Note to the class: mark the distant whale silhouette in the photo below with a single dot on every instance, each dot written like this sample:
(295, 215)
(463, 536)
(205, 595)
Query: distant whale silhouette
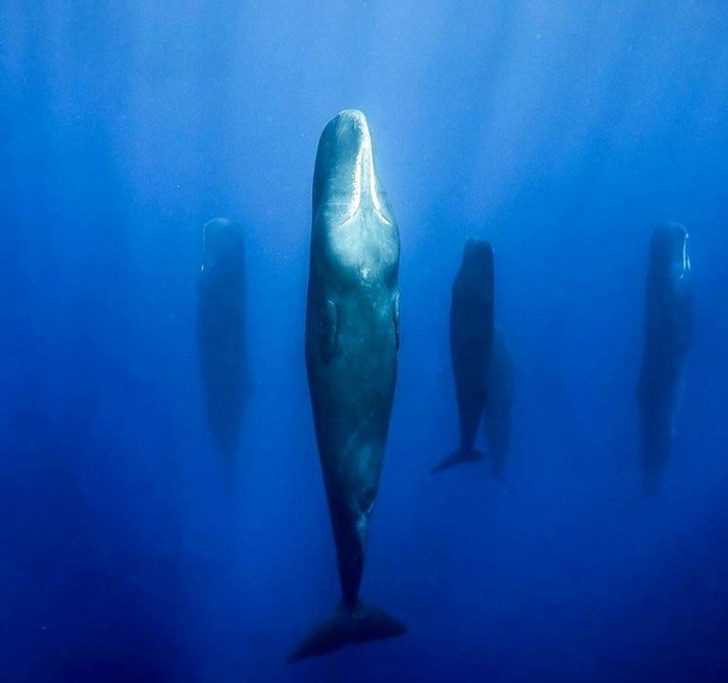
(352, 337)
(497, 412)
(221, 334)
(471, 338)
(668, 324)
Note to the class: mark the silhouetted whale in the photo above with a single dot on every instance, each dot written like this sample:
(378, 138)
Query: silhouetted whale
(221, 334)
(471, 338)
(668, 314)
(497, 413)
(352, 337)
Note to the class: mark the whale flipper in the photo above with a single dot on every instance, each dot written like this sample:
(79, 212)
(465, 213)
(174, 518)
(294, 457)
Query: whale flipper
(457, 458)
(360, 624)
(329, 330)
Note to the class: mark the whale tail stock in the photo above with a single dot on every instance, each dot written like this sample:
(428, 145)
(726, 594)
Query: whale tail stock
(457, 458)
(348, 625)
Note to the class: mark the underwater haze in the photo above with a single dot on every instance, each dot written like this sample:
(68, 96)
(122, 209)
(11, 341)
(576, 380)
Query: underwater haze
(563, 132)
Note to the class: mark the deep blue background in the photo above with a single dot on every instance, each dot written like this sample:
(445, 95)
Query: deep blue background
(562, 131)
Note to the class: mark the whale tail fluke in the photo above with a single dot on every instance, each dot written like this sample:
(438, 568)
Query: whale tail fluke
(358, 625)
(457, 458)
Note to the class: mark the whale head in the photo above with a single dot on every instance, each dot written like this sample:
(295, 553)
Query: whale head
(669, 255)
(477, 265)
(345, 178)
(222, 245)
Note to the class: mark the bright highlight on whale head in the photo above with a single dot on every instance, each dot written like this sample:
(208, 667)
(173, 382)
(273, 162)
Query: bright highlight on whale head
(345, 176)
(222, 245)
(670, 253)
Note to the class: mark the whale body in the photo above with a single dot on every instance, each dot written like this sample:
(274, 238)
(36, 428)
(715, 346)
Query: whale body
(668, 331)
(352, 338)
(221, 333)
(471, 339)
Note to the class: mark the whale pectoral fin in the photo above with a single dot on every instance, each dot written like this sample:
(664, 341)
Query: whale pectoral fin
(329, 330)
(395, 320)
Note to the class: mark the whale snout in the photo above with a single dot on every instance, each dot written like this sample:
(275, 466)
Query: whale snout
(345, 174)
(669, 251)
(477, 264)
(344, 140)
(351, 130)
(353, 118)
(477, 251)
(222, 244)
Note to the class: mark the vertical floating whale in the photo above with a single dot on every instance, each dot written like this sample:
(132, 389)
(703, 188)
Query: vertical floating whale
(221, 334)
(497, 413)
(352, 337)
(668, 313)
(471, 338)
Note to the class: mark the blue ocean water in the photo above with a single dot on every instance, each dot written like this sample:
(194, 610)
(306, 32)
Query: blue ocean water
(560, 131)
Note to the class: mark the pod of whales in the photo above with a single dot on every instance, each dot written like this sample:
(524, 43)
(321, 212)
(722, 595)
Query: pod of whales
(221, 332)
(352, 338)
(668, 313)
